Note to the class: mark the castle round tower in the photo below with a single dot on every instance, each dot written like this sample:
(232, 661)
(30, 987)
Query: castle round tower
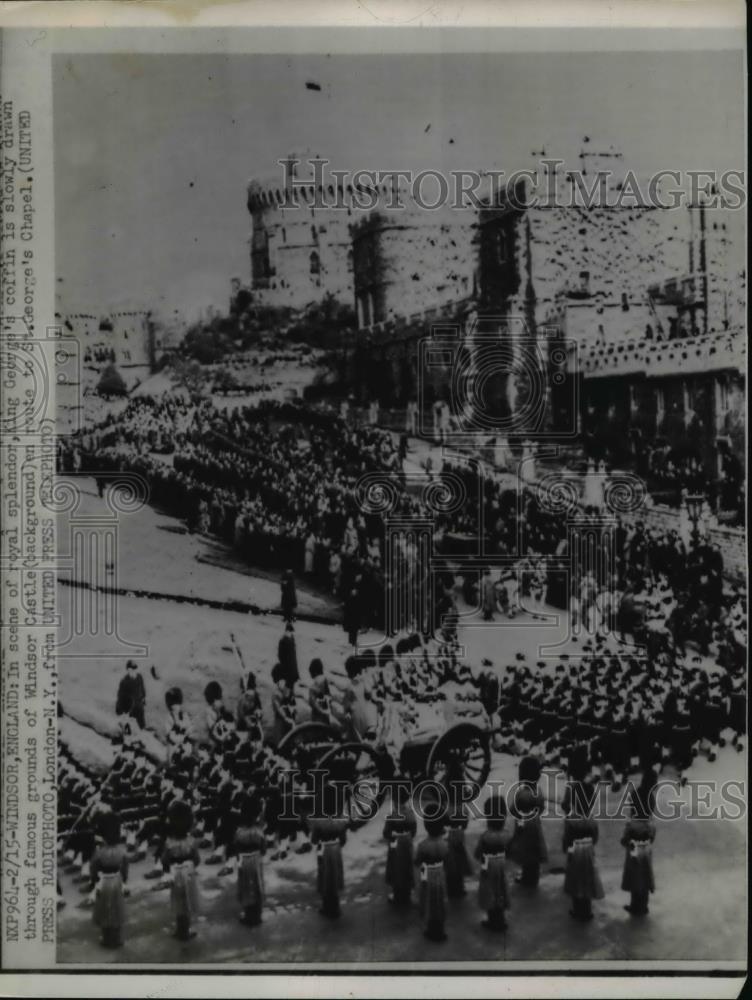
(410, 259)
(300, 244)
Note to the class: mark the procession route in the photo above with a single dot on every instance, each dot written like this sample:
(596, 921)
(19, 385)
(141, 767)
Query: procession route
(188, 645)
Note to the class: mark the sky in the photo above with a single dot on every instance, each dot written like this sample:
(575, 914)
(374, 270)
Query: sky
(153, 153)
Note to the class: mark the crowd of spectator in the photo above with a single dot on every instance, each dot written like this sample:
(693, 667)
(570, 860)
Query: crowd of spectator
(280, 484)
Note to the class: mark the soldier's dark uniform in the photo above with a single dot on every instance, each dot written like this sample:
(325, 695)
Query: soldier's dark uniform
(637, 875)
(528, 844)
(131, 694)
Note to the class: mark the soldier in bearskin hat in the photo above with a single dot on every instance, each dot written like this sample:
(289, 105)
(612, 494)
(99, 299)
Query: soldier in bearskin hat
(109, 873)
(430, 857)
(581, 881)
(637, 839)
(528, 844)
(249, 845)
(493, 893)
(328, 832)
(458, 863)
(180, 858)
(400, 828)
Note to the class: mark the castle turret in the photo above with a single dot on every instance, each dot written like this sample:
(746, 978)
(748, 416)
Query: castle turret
(300, 243)
(410, 259)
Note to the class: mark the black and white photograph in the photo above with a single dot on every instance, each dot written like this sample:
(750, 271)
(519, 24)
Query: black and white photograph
(400, 503)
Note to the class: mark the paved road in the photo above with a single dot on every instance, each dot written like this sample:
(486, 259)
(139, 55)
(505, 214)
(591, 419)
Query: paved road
(695, 914)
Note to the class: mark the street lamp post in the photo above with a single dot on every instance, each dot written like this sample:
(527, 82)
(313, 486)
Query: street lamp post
(694, 503)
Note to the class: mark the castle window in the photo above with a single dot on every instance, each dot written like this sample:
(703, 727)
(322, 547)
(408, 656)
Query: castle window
(315, 263)
(364, 309)
(284, 235)
(724, 394)
(260, 259)
(501, 246)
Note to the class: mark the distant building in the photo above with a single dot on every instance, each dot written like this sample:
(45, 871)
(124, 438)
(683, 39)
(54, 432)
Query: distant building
(533, 259)
(132, 336)
(652, 311)
(653, 301)
(126, 337)
(688, 392)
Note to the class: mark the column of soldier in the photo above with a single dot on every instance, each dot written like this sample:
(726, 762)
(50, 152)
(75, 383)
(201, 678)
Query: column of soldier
(606, 716)
(439, 865)
(283, 506)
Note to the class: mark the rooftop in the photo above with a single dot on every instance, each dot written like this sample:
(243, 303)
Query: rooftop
(654, 358)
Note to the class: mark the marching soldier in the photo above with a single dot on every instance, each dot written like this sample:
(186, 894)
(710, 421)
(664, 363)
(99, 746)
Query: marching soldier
(109, 873)
(176, 718)
(229, 793)
(528, 844)
(712, 717)
(637, 839)
(329, 834)
(493, 894)
(248, 846)
(581, 881)
(458, 864)
(737, 708)
(318, 693)
(180, 858)
(565, 729)
(219, 720)
(530, 708)
(248, 710)
(288, 657)
(283, 705)
(682, 736)
(600, 724)
(617, 747)
(430, 858)
(400, 828)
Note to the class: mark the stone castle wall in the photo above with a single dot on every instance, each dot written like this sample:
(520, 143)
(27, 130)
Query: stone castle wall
(610, 257)
(392, 262)
(301, 252)
(409, 260)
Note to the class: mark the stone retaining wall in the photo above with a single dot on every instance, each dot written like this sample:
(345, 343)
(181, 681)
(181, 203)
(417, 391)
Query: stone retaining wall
(732, 541)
